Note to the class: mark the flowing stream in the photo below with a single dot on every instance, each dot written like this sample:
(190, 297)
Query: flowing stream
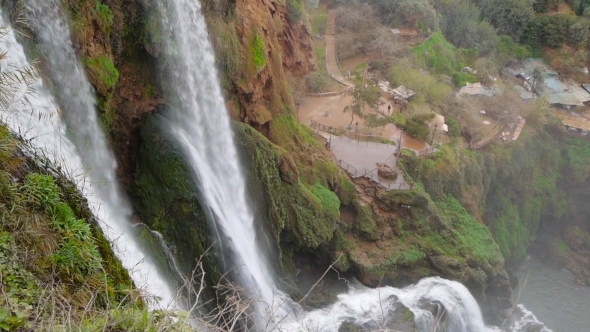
(66, 130)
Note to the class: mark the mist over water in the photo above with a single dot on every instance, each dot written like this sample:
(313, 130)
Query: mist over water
(554, 297)
(66, 130)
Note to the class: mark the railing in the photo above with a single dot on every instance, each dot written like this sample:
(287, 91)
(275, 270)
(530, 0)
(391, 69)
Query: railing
(349, 133)
(348, 167)
(328, 129)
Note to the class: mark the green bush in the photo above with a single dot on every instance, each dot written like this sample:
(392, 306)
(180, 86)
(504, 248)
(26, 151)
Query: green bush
(294, 11)
(105, 16)
(318, 24)
(103, 69)
(454, 129)
(317, 82)
(417, 129)
(257, 50)
(328, 199)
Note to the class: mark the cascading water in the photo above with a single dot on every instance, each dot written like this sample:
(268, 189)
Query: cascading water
(375, 308)
(200, 122)
(78, 146)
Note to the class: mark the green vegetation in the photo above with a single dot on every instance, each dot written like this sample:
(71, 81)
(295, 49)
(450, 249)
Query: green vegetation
(318, 24)
(444, 58)
(509, 17)
(414, 13)
(454, 129)
(508, 48)
(105, 16)
(561, 246)
(226, 43)
(470, 233)
(408, 257)
(462, 25)
(578, 154)
(287, 132)
(295, 11)
(257, 52)
(429, 90)
(417, 126)
(57, 268)
(103, 70)
(328, 199)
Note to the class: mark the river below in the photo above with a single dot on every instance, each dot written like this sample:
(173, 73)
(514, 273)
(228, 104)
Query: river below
(553, 296)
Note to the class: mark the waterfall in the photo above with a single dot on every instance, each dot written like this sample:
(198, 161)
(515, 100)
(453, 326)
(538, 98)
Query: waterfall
(199, 120)
(67, 130)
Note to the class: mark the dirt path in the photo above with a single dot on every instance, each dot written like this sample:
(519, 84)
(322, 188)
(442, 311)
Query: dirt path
(331, 61)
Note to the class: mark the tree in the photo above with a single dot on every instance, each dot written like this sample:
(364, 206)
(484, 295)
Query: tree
(537, 79)
(510, 17)
(362, 96)
(413, 12)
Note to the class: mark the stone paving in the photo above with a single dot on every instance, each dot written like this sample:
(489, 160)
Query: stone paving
(360, 159)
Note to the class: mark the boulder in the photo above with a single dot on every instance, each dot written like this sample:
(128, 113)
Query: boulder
(386, 172)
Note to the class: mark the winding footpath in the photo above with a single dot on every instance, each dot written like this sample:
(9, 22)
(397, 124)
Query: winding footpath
(331, 61)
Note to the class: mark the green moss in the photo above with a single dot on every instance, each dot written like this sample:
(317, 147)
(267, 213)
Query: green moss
(561, 246)
(318, 24)
(328, 200)
(51, 246)
(102, 68)
(470, 233)
(257, 52)
(105, 16)
(578, 154)
(364, 223)
(177, 215)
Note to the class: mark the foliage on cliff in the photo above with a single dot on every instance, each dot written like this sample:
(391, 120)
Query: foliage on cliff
(57, 268)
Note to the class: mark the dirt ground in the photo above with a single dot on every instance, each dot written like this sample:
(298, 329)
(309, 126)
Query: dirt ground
(329, 111)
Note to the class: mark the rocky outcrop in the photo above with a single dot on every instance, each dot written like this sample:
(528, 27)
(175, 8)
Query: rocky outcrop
(167, 199)
(386, 172)
(287, 47)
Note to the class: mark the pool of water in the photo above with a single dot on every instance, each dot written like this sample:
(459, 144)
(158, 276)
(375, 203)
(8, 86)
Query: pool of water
(553, 296)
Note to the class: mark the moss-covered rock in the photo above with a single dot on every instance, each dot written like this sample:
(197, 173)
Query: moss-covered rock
(300, 215)
(168, 200)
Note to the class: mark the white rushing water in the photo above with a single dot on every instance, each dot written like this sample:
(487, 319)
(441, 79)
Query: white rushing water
(375, 309)
(66, 129)
(199, 121)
